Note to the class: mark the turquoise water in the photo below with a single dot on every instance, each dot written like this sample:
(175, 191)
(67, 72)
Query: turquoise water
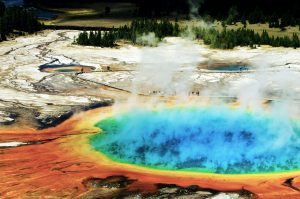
(214, 139)
(64, 70)
(230, 68)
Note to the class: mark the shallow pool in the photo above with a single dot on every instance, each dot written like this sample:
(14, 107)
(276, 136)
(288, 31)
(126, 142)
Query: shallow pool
(66, 68)
(209, 139)
(229, 68)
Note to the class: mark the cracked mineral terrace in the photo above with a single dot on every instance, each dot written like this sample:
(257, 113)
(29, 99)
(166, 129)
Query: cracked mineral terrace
(44, 97)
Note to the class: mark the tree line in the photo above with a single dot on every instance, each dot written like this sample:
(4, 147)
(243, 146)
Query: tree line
(96, 38)
(130, 33)
(274, 20)
(224, 39)
(16, 20)
(228, 39)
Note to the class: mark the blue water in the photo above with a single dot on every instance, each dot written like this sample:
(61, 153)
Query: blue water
(43, 14)
(215, 139)
(9, 3)
(45, 66)
(229, 68)
(39, 13)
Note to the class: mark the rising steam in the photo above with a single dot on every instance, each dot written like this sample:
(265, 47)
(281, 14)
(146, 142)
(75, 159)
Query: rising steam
(194, 7)
(253, 137)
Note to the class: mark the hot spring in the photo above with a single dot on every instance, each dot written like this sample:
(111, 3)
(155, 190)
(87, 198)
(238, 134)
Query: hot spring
(66, 68)
(230, 68)
(227, 67)
(215, 139)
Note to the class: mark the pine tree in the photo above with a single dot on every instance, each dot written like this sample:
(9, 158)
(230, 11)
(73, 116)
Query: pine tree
(176, 29)
(232, 15)
(273, 21)
(223, 24)
(92, 38)
(17, 18)
(265, 38)
(2, 8)
(256, 16)
(287, 20)
(98, 38)
(244, 21)
(295, 41)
